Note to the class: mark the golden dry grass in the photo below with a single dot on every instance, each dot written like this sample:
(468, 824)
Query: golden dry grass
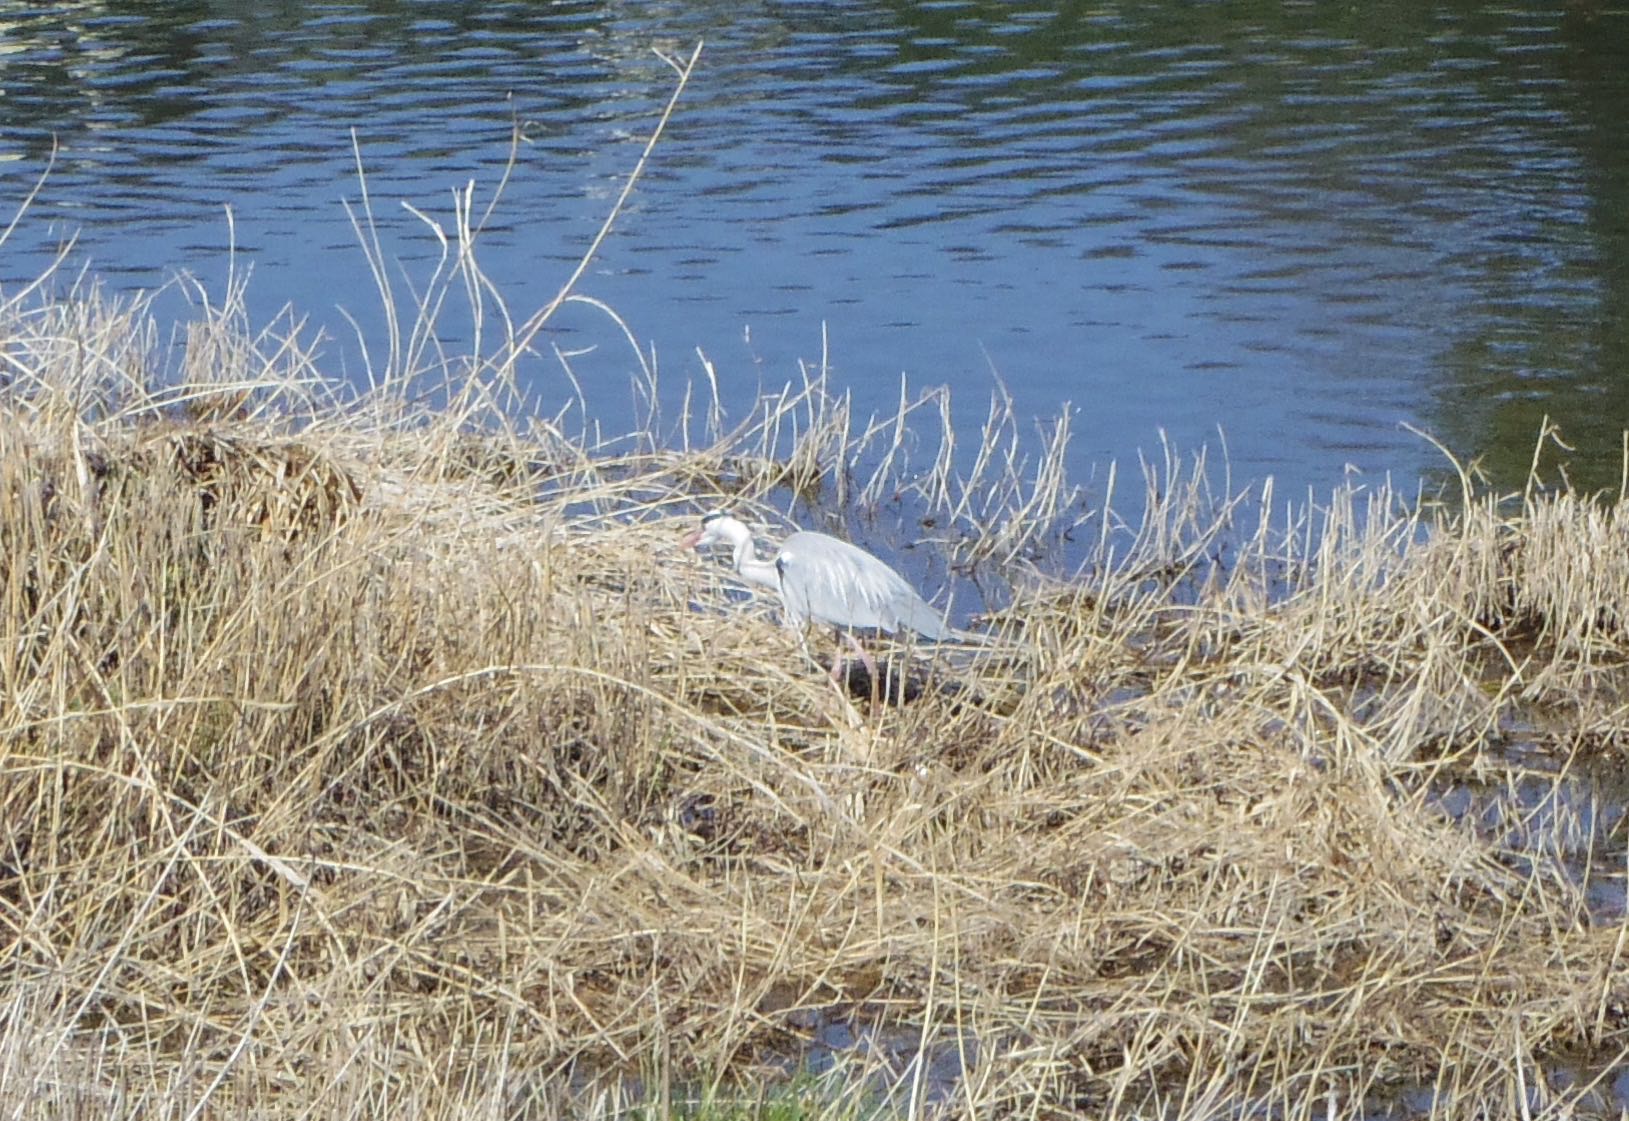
(354, 764)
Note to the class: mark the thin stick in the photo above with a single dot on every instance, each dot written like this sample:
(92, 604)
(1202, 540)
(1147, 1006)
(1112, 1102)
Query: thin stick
(532, 326)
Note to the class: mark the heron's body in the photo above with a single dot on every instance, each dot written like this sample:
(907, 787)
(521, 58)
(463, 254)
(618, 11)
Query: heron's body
(823, 579)
(830, 581)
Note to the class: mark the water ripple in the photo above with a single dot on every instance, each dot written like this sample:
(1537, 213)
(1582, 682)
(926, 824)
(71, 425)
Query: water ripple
(1303, 221)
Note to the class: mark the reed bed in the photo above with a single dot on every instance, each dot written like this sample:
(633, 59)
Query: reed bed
(359, 761)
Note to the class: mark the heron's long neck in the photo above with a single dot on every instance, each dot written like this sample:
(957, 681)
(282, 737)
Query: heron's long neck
(751, 568)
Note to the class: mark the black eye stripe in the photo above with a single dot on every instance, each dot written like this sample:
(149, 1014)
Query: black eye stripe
(708, 519)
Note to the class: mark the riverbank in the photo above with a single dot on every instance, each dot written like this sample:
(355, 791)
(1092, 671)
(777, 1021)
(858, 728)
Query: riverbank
(359, 759)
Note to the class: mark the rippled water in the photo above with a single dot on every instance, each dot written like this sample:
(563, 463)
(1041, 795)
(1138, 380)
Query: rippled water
(1303, 224)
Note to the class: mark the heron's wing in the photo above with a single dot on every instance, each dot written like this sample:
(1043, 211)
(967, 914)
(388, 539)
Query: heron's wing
(896, 602)
(794, 601)
(924, 618)
(813, 588)
(834, 582)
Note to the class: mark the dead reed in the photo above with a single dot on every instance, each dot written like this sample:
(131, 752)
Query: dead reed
(356, 763)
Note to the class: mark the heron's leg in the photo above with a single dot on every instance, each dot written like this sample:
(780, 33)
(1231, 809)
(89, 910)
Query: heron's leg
(866, 659)
(873, 680)
(869, 662)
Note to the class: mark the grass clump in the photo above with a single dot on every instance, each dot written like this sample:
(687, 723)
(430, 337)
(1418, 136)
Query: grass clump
(354, 761)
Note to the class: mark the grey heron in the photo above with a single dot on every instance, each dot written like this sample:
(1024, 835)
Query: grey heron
(826, 580)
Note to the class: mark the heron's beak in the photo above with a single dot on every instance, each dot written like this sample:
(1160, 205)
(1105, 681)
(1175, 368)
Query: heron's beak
(689, 540)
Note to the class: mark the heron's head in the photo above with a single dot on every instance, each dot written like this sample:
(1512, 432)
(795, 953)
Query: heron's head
(715, 527)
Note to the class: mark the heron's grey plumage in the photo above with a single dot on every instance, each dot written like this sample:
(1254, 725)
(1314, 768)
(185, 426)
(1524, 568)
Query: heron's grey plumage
(823, 579)
(831, 581)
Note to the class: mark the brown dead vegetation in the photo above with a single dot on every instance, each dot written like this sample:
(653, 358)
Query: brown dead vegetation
(352, 766)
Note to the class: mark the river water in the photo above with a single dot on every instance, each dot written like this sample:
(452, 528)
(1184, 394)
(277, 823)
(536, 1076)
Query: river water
(1299, 225)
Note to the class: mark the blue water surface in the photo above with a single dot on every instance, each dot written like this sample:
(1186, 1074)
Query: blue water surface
(1300, 225)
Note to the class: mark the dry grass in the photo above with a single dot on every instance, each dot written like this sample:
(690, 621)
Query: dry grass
(355, 766)
(358, 760)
